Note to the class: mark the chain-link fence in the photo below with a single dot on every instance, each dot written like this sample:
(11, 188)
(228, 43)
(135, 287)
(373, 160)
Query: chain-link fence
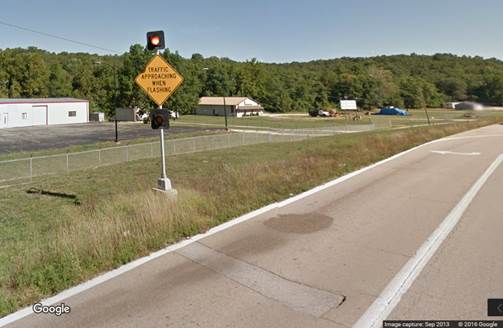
(22, 170)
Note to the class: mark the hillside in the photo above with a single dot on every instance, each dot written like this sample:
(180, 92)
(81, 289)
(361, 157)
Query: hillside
(413, 81)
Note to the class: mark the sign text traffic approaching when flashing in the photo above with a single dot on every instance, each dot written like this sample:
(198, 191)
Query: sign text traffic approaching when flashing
(159, 80)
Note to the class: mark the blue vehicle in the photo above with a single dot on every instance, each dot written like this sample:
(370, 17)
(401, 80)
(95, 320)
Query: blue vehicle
(393, 111)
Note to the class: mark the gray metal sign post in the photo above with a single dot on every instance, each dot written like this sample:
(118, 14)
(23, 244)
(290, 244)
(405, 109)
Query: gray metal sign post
(163, 183)
(159, 80)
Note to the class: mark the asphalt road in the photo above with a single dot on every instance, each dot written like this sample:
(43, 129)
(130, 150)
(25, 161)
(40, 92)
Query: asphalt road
(59, 136)
(324, 260)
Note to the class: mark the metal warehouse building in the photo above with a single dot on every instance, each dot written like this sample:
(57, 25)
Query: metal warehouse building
(42, 111)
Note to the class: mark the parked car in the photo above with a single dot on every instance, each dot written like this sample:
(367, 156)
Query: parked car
(390, 110)
(324, 113)
(313, 112)
(174, 114)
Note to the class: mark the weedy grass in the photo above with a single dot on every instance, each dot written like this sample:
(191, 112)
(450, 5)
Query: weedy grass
(50, 243)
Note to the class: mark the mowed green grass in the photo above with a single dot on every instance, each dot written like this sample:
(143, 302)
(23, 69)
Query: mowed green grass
(295, 121)
(437, 115)
(304, 121)
(51, 242)
(277, 122)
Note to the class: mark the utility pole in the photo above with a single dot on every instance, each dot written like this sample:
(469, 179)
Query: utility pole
(225, 114)
(114, 101)
(427, 116)
(225, 105)
(115, 105)
(116, 127)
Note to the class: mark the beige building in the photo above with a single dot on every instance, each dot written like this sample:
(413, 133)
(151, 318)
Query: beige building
(235, 106)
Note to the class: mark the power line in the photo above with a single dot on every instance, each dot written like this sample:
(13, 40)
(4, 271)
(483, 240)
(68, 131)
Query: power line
(58, 37)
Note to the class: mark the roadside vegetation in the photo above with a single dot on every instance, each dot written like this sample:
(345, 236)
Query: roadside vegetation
(62, 230)
(411, 81)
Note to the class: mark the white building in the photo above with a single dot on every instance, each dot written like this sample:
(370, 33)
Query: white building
(235, 106)
(42, 111)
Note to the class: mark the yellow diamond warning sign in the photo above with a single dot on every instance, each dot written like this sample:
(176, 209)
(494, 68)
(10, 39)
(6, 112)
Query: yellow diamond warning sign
(159, 80)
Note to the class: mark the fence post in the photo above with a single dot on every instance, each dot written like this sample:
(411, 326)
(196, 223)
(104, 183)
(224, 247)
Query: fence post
(31, 168)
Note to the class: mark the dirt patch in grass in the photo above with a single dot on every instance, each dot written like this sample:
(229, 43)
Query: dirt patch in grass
(51, 243)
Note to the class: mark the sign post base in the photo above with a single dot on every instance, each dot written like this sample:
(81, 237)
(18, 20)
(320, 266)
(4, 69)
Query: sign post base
(164, 185)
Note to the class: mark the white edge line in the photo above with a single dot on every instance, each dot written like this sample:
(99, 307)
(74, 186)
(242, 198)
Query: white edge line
(447, 152)
(136, 263)
(398, 286)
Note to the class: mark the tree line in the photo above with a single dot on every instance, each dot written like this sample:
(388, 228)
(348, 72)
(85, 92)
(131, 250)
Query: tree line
(107, 81)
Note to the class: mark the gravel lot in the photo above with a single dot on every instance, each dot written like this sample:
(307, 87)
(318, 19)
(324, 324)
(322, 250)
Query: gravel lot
(58, 136)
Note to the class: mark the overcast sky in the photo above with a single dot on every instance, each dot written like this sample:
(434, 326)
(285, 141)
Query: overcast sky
(271, 31)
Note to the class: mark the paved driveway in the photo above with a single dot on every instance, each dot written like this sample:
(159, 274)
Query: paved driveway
(46, 137)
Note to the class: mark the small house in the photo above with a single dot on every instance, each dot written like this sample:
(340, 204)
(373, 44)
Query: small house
(235, 106)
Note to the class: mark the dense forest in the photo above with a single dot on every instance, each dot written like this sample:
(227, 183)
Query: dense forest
(412, 81)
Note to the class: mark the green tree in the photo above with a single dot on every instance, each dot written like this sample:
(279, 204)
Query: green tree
(412, 93)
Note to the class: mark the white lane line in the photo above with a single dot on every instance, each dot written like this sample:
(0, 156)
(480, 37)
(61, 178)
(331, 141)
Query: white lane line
(474, 137)
(446, 152)
(398, 286)
(132, 265)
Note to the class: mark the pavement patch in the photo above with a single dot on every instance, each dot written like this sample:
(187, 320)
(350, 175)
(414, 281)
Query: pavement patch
(300, 223)
(293, 294)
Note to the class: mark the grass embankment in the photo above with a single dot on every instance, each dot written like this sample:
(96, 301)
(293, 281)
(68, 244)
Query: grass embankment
(50, 243)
